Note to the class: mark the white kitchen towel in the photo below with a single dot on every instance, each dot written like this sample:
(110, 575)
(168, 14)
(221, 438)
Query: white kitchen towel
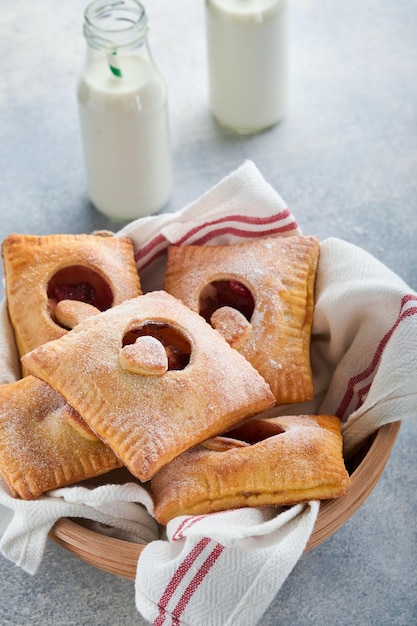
(364, 347)
(124, 508)
(364, 363)
(221, 569)
(241, 206)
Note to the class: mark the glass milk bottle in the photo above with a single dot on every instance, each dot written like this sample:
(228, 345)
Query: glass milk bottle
(247, 62)
(122, 101)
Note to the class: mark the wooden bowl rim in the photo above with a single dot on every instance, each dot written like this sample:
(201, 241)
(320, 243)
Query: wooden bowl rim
(120, 557)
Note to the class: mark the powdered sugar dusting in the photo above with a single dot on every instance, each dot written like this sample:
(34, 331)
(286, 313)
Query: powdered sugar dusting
(279, 272)
(148, 420)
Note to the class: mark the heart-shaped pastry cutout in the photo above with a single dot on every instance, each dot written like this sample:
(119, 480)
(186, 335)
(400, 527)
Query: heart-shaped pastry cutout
(146, 356)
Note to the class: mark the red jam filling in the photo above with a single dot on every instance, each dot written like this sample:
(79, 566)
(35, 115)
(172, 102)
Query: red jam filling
(83, 292)
(226, 293)
(80, 283)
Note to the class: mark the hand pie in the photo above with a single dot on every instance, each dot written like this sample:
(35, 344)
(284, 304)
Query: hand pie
(43, 271)
(147, 403)
(260, 296)
(44, 443)
(280, 461)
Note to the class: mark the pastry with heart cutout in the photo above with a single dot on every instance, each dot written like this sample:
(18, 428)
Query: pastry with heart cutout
(276, 461)
(44, 443)
(43, 271)
(152, 379)
(260, 296)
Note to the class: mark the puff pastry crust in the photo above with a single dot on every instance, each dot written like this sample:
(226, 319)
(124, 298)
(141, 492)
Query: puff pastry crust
(299, 459)
(279, 273)
(99, 270)
(44, 444)
(149, 409)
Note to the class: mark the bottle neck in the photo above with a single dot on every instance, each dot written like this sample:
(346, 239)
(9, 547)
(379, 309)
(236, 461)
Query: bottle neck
(117, 27)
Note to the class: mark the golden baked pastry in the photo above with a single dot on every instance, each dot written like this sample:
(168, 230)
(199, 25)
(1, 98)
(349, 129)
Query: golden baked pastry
(69, 313)
(42, 271)
(44, 444)
(150, 404)
(270, 285)
(280, 461)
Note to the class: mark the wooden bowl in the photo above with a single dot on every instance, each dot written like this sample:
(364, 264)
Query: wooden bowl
(120, 557)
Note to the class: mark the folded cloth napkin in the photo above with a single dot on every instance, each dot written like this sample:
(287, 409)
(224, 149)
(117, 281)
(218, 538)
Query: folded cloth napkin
(223, 568)
(113, 509)
(364, 363)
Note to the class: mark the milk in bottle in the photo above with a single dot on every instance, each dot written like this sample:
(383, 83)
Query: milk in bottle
(122, 100)
(247, 62)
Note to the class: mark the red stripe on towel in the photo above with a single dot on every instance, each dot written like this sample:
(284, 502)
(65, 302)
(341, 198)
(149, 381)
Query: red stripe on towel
(190, 521)
(159, 239)
(156, 247)
(145, 263)
(196, 582)
(186, 523)
(176, 579)
(247, 234)
(356, 380)
(241, 219)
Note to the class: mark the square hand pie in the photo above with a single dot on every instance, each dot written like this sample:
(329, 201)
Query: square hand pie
(43, 272)
(44, 444)
(151, 378)
(260, 296)
(276, 461)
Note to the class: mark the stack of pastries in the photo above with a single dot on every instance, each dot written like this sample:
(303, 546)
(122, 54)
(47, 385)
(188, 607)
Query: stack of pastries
(171, 384)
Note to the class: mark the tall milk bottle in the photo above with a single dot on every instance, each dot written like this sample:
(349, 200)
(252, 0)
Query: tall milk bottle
(122, 101)
(247, 48)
